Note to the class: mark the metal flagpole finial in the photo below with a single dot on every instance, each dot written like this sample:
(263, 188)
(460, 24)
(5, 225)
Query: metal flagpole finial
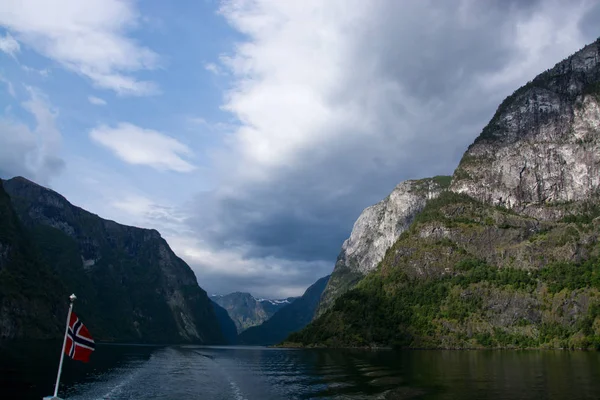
(72, 297)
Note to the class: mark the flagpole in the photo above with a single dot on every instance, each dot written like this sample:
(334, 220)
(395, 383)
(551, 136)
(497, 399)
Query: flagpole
(62, 353)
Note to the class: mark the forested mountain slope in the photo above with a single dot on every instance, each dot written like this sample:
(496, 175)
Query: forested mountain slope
(130, 285)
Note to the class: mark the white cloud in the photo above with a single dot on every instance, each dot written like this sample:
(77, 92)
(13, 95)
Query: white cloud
(42, 72)
(285, 74)
(143, 211)
(9, 86)
(9, 45)
(214, 68)
(96, 101)
(31, 153)
(197, 121)
(140, 146)
(89, 38)
(202, 125)
(230, 269)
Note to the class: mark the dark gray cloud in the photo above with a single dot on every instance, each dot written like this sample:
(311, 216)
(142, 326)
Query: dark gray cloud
(591, 20)
(406, 87)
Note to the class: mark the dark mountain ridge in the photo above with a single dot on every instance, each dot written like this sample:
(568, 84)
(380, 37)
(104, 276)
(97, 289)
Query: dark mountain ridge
(130, 284)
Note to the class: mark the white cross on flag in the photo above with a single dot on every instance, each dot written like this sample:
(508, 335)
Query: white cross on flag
(80, 343)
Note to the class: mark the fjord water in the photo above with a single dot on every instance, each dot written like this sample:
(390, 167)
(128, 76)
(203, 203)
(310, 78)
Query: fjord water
(255, 373)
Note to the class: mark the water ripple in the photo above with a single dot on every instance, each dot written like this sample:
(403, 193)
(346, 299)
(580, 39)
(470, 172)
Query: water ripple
(243, 373)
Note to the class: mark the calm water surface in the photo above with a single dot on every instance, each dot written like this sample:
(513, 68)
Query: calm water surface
(254, 373)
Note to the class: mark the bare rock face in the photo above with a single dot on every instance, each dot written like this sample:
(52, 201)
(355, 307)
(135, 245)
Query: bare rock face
(376, 229)
(543, 144)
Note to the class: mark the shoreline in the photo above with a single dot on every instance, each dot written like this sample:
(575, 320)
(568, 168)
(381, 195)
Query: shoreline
(292, 345)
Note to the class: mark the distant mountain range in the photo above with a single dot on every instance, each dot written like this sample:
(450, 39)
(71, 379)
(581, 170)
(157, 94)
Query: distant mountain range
(246, 311)
(290, 318)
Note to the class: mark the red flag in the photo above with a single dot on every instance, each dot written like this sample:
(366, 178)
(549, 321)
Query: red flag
(80, 343)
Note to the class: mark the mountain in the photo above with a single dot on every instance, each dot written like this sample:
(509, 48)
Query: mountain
(247, 311)
(226, 323)
(509, 255)
(291, 318)
(33, 303)
(377, 228)
(541, 146)
(131, 287)
(272, 306)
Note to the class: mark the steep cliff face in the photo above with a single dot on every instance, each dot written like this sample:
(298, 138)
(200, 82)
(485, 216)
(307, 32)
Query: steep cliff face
(469, 275)
(291, 318)
(131, 286)
(376, 229)
(543, 144)
(33, 303)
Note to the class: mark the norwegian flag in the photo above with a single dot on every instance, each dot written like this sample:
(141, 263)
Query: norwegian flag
(80, 343)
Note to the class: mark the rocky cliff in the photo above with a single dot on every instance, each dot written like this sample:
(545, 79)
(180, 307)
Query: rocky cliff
(376, 229)
(247, 311)
(291, 318)
(131, 286)
(542, 145)
(510, 255)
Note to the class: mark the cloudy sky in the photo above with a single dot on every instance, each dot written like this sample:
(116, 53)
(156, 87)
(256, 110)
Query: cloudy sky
(251, 133)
